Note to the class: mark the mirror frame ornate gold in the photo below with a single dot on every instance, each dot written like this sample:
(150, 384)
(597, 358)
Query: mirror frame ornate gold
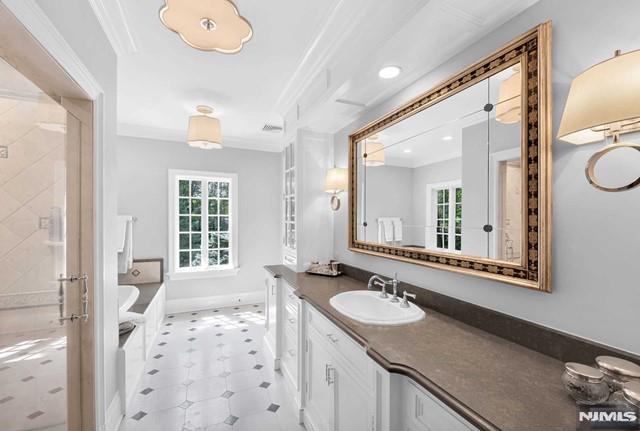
(533, 49)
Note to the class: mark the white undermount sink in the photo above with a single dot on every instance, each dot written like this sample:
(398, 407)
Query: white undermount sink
(127, 296)
(368, 307)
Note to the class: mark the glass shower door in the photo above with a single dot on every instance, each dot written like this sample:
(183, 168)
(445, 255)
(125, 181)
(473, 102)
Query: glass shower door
(34, 246)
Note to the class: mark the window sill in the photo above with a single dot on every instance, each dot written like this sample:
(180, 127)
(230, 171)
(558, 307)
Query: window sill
(199, 275)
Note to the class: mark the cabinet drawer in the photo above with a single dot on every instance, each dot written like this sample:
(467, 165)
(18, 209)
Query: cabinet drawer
(348, 350)
(291, 318)
(290, 298)
(290, 354)
(426, 413)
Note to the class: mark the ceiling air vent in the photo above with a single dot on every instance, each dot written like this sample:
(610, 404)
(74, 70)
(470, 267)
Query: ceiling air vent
(271, 128)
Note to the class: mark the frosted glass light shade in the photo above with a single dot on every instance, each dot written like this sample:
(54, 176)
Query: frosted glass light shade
(603, 97)
(508, 107)
(204, 132)
(336, 180)
(374, 152)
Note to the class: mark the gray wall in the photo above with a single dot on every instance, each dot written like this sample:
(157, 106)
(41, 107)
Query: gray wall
(77, 24)
(388, 194)
(143, 166)
(596, 237)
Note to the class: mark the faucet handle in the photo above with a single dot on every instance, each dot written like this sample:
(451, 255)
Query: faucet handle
(405, 298)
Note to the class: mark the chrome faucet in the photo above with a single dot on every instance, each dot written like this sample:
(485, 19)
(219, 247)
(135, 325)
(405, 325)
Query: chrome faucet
(405, 299)
(394, 285)
(379, 281)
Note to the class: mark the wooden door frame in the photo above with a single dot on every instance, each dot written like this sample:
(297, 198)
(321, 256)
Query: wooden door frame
(34, 47)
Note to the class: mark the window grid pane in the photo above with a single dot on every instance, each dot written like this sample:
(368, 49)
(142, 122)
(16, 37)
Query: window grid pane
(203, 223)
(218, 210)
(442, 218)
(458, 220)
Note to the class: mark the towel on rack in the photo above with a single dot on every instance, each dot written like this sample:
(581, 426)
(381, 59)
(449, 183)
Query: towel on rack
(389, 229)
(397, 228)
(125, 247)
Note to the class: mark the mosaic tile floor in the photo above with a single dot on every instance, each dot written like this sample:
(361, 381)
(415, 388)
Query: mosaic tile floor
(207, 373)
(33, 380)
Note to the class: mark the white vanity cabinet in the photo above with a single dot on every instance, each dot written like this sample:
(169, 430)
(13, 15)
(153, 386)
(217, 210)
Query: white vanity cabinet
(332, 381)
(339, 379)
(424, 412)
(272, 340)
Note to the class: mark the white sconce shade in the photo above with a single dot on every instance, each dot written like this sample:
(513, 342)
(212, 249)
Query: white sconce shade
(508, 107)
(602, 99)
(204, 131)
(373, 154)
(336, 180)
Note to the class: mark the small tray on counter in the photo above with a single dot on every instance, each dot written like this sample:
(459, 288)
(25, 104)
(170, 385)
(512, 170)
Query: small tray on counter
(326, 274)
(331, 269)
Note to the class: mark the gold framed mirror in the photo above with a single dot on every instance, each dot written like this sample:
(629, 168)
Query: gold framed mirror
(459, 178)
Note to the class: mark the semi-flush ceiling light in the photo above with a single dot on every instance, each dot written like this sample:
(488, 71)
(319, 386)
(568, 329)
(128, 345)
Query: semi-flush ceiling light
(208, 25)
(602, 103)
(407, 151)
(204, 131)
(447, 138)
(508, 107)
(389, 72)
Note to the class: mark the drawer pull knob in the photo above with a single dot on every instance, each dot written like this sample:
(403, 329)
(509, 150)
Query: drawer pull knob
(332, 338)
(291, 320)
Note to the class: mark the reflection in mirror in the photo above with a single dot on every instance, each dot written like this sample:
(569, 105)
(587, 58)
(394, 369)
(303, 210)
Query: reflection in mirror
(448, 178)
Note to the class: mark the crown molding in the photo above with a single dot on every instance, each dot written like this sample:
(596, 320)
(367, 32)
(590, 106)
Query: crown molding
(112, 19)
(180, 137)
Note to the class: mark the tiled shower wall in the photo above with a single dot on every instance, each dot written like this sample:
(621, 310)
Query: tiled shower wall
(31, 187)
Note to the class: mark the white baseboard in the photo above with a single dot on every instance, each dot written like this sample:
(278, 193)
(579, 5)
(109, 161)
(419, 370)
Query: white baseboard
(114, 414)
(205, 302)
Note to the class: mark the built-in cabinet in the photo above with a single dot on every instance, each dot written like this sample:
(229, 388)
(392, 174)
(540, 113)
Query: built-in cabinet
(305, 161)
(334, 383)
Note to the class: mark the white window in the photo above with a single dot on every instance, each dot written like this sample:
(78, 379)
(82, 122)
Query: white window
(444, 216)
(202, 223)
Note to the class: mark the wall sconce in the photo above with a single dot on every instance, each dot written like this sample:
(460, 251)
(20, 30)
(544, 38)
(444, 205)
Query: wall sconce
(603, 103)
(335, 183)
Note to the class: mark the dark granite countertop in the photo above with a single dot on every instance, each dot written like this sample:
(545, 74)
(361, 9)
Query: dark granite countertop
(494, 383)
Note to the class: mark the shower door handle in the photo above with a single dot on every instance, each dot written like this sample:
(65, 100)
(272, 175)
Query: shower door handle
(62, 280)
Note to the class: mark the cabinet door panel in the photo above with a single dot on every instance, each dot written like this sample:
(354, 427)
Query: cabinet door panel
(320, 392)
(353, 404)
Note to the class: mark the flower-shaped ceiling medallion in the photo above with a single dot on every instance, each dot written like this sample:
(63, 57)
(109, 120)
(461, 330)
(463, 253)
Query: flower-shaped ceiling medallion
(208, 25)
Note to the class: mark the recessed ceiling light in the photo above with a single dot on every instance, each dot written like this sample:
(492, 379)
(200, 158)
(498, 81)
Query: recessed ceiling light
(407, 151)
(389, 72)
(447, 138)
